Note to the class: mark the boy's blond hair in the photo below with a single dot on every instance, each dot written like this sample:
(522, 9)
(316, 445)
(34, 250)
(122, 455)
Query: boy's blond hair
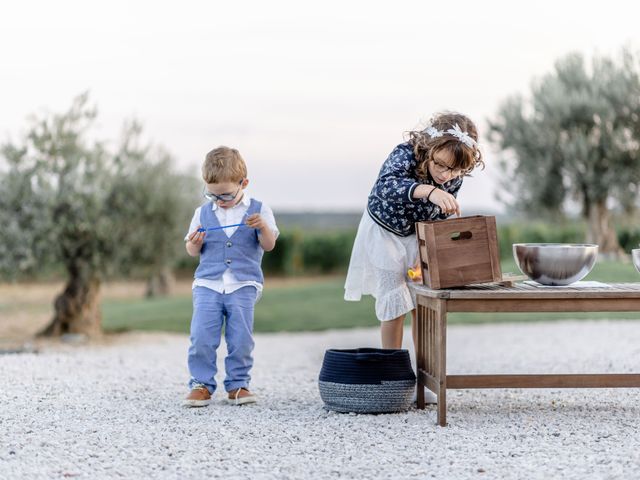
(223, 164)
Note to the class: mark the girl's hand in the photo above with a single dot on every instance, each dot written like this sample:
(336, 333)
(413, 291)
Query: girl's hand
(256, 221)
(447, 202)
(197, 238)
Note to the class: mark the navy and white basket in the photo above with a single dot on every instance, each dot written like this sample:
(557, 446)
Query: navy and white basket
(367, 380)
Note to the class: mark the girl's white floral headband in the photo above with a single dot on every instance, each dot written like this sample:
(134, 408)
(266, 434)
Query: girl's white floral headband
(456, 131)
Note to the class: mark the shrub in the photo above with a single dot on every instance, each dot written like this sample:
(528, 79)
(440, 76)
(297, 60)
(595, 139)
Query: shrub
(285, 258)
(629, 238)
(325, 253)
(538, 232)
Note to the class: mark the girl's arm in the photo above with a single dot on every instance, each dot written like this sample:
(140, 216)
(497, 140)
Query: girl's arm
(445, 200)
(396, 182)
(423, 191)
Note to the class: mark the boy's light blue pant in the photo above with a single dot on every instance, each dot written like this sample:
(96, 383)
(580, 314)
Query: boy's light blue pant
(212, 310)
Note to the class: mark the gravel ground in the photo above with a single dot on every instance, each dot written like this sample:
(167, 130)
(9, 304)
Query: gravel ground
(114, 411)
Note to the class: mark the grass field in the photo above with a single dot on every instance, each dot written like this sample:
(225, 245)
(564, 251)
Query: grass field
(318, 305)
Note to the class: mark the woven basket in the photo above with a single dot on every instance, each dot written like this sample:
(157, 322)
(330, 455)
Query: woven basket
(367, 380)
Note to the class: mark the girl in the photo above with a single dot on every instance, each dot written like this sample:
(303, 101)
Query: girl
(419, 181)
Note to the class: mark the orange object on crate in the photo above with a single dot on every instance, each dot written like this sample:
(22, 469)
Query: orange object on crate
(414, 274)
(459, 251)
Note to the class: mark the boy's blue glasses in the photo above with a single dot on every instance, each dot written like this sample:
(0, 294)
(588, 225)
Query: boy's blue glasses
(223, 197)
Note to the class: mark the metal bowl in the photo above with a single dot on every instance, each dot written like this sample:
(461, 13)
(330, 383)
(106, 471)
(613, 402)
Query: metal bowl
(635, 254)
(555, 263)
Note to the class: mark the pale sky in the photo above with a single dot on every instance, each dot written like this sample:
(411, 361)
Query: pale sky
(314, 94)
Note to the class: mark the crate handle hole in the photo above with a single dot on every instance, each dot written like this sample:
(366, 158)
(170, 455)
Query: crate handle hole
(461, 236)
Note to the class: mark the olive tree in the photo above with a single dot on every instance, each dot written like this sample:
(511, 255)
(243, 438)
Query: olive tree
(162, 204)
(576, 137)
(66, 201)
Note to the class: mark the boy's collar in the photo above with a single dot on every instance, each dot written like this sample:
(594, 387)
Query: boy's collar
(245, 200)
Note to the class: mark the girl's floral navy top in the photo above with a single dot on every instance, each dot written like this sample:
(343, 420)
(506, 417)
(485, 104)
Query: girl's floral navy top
(390, 203)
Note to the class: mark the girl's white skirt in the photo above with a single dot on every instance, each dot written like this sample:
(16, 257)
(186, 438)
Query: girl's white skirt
(378, 267)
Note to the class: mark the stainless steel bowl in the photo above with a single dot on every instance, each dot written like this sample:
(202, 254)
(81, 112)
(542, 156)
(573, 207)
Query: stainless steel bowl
(555, 263)
(635, 254)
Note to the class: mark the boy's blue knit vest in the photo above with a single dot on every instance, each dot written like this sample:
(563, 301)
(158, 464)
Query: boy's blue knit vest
(241, 251)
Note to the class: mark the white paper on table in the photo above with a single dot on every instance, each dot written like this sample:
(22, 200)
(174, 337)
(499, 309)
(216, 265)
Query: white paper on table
(585, 284)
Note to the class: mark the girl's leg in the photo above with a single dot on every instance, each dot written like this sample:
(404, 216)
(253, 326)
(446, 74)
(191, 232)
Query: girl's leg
(391, 332)
(414, 330)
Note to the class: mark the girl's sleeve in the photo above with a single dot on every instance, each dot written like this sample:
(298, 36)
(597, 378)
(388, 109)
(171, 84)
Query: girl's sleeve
(396, 181)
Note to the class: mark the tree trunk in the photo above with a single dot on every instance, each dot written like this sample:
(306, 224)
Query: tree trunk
(77, 309)
(602, 233)
(160, 284)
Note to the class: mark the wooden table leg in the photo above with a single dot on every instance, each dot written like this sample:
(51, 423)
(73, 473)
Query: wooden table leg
(431, 353)
(440, 340)
(420, 354)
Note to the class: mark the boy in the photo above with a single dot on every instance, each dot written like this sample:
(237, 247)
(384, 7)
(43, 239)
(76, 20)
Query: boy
(228, 280)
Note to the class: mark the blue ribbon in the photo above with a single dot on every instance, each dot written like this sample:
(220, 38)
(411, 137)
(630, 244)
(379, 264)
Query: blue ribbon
(218, 228)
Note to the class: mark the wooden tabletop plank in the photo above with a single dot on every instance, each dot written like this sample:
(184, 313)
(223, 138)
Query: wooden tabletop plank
(526, 291)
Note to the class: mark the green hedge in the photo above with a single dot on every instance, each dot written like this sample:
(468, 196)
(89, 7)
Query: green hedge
(629, 237)
(297, 253)
(300, 252)
(537, 232)
(567, 232)
(286, 257)
(310, 252)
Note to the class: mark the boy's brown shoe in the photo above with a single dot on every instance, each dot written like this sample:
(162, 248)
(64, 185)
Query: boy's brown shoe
(199, 396)
(241, 396)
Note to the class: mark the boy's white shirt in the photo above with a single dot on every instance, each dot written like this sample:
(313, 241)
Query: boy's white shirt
(228, 283)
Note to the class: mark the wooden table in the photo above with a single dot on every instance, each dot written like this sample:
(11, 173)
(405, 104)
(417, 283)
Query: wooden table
(431, 348)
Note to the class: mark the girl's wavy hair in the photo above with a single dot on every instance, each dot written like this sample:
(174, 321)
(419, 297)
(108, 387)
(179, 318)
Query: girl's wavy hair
(466, 154)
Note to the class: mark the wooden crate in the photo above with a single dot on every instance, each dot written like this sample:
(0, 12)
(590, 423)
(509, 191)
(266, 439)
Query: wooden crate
(459, 251)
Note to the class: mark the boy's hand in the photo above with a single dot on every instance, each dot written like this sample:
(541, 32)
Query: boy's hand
(447, 202)
(267, 238)
(256, 221)
(197, 238)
